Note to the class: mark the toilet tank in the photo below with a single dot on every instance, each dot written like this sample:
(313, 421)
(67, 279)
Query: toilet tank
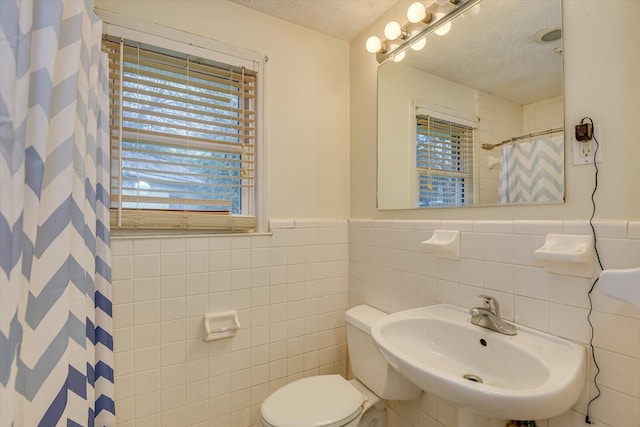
(367, 364)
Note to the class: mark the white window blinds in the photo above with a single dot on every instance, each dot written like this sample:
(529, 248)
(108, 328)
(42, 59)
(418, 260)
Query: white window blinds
(182, 140)
(444, 162)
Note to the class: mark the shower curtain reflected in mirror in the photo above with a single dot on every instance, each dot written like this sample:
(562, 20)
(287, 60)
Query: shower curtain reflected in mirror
(56, 347)
(532, 171)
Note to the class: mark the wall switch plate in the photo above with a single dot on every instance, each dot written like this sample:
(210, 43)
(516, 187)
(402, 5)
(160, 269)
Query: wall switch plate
(583, 151)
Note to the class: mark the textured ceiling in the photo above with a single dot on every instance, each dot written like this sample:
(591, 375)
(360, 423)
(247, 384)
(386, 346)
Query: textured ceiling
(343, 19)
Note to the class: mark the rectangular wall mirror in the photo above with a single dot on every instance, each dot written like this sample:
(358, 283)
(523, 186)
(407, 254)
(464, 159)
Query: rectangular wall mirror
(475, 117)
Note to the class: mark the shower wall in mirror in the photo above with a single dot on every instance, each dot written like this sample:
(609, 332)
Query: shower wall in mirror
(476, 116)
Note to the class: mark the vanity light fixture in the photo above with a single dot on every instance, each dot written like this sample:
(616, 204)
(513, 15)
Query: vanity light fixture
(421, 23)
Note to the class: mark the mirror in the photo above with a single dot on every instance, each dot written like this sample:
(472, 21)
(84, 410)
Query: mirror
(494, 79)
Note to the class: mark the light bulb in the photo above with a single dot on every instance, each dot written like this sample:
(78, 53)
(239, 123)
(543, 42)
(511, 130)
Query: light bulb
(374, 45)
(416, 12)
(419, 45)
(444, 29)
(399, 57)
(392, 30)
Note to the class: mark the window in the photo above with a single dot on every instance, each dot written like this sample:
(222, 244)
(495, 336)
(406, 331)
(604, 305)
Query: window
(183, 150)
(444, 162)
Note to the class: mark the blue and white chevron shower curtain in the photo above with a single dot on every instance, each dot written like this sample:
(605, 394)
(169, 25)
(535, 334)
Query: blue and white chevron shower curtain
(56, 347)
(532, 171)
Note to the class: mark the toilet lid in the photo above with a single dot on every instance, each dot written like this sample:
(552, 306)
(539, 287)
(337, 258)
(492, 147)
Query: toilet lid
(323, 400)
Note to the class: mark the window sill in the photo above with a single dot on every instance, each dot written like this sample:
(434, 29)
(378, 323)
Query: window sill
(169, 222)
(122, 234)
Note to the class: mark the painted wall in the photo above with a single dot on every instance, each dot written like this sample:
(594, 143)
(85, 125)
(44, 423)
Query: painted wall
(389, 270)
(602, 63)
(307, 98)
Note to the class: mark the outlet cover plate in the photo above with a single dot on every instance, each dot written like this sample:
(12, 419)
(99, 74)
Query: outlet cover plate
(583, 151)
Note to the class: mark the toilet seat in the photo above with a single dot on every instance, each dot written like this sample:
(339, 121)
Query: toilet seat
(319, 401)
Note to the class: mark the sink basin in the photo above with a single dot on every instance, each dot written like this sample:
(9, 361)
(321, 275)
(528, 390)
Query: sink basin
(528, 376)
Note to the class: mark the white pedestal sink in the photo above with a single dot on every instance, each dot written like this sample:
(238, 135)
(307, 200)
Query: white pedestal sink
(527, 376)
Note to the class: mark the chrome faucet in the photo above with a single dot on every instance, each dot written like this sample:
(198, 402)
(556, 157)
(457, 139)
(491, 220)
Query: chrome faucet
(489, 317)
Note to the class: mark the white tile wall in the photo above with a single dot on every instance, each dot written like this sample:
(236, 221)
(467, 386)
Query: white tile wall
(388, 270)
(543, 115)
(290, 289)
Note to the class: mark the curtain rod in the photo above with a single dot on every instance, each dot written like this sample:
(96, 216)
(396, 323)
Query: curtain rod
(517, 138)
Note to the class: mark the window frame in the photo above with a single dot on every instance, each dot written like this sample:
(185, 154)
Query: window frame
(119, 26)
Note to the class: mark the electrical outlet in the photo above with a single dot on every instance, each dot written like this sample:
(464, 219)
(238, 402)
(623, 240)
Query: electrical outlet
(586, 149)
(583, 151)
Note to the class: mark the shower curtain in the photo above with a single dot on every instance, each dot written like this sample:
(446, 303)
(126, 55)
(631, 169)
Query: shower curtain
(56, 347)
(532, 171)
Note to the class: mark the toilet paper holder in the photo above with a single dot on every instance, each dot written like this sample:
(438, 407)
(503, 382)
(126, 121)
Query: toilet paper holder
(220, 325)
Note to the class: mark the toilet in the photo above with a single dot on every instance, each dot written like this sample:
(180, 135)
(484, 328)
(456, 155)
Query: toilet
(332, 401)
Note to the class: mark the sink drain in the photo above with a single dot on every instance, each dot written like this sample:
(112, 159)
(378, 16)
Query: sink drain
(471, 377)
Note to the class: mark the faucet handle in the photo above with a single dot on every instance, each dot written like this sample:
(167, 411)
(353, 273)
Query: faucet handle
(490, 303)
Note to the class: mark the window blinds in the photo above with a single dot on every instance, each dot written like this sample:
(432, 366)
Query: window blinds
(444, 161)
(182, 140)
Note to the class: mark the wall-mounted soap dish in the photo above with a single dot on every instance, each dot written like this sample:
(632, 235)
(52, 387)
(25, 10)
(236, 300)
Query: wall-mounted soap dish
(567, 254)
(220, 325)
(444, 244)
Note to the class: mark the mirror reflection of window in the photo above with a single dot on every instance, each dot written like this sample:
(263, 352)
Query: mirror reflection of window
(444, 162)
